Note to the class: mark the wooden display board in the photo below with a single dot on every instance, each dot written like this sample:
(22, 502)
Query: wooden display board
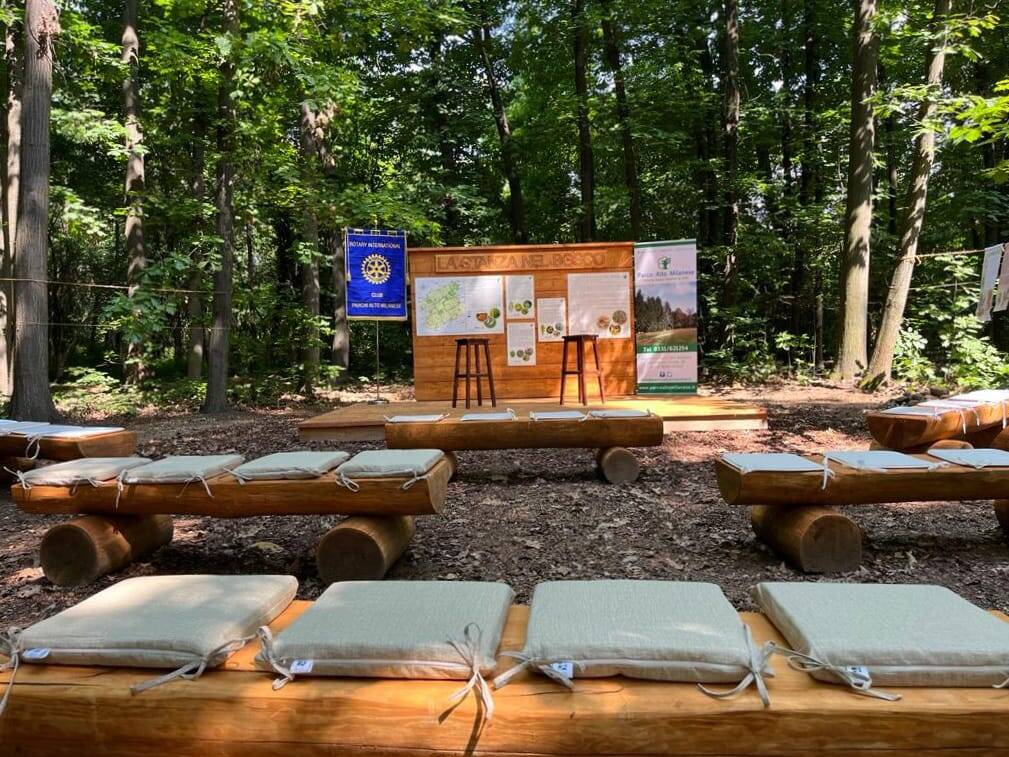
(550, 266)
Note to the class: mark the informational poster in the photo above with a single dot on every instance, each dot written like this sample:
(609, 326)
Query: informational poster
(665, 316)
(1002, 298)
(376, 274)
(520, 297)
(600, 303)
(522, 343)
(457, 305)
(989, 275)
(552, 318)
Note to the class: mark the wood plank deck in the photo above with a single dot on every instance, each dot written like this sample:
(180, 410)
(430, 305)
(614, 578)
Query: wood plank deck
(62, 710)
(364, 422)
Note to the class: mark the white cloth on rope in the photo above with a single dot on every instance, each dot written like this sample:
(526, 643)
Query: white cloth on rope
(194, 669)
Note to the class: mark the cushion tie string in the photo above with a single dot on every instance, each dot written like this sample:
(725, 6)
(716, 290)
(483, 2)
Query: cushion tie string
(1003, 685)
(858, 679)
(759, 657)
(265, 636)
(524, 663)
(342, 480)
(469, 649)
(827, 472)
(198, 477)
(20, 476)
(10, 645)
(120, 485)
(85, 480)
(238, 476)
(194, 669)
(34, 440)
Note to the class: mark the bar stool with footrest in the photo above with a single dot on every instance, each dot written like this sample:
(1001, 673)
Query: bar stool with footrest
(472, 349)
(579, 341)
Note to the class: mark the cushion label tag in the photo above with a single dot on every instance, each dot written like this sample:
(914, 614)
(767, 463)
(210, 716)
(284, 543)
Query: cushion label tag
(38, 653)
(301, 667)
(566, 669)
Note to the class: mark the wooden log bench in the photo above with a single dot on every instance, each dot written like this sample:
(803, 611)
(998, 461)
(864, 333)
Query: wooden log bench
(112, 444)
(977, 425)
(119, 528)
(610, 437)
(64, 711)
(794, 512)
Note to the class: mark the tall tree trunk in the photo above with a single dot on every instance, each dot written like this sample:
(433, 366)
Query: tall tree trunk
(10, 164)
(706, 140)
(434, 106)
(808, 169)
(310, 267)
(586, 167)
(892, 181)
(858, 215)
(730, 222)
(134, 185)
(341, 329)
(914, 214)
(217, 383)
(516, 205)
(32, 399)
(194, 280)
(611, 45)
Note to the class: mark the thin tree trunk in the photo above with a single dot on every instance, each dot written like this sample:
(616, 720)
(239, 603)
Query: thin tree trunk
(194, 280)
(730, 221)
(892, 181)
(434, 105)
(10, 164)
(911, 223)
(32, 399)
(516, 205)
(309, 268)
(586, 167)
(341, 329)
(135, 252)
(858, 216)
(611, 45)
(217, 383)
(808, 169)
(706, 139)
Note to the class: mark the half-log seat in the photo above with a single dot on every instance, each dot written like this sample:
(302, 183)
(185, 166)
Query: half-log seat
(127, 511)
(610, 431)
(792, 496)
(976, 417)
(24, 443)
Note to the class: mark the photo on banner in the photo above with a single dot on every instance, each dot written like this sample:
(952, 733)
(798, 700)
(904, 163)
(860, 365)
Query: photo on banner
(665, 316)
(376, 274)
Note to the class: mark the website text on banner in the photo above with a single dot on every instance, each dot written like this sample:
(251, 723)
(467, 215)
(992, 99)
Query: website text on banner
(376, 275)
(665, 316)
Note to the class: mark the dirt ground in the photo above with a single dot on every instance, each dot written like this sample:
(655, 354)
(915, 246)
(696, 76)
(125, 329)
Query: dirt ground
(529, 516)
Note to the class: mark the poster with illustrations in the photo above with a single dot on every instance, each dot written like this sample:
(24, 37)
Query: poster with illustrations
(552, 319)
(521, 343)
(519, 297)
(600, 303)
(459, 305)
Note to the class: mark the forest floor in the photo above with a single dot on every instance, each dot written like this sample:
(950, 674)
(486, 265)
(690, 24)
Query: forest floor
(529, 516)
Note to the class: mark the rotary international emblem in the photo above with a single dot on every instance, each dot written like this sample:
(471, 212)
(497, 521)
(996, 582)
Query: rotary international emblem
(376, 269)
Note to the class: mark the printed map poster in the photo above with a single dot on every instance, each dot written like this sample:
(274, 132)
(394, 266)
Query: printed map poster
(519, 297)
(459, 305)
(665, 316)
(552, 318)
(600, 303)
(521, 343)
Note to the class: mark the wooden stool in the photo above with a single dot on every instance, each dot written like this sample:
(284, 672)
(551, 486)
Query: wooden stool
(579, 341)
(473, 345)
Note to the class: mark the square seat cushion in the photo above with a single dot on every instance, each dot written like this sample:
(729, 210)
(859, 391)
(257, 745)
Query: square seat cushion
(84, 470)
(770, 462)
(619, 413)
(81, 432)
(973, 458)
(984, 395)
(878, 459)
(288, 465)
(414, 418)
(395, 629)
(181, 469)
(508, 415)
(912, 410)
(25, 428)
(390, 463)
(159, 621)
(557, 415)
(657, 630)
(903, 634)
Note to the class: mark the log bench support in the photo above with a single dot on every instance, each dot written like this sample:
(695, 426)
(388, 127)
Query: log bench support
(617, 465)
(363, 547)
(814, 539)
(82, 550)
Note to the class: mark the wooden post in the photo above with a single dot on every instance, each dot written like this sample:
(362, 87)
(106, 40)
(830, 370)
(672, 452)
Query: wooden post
(453, 460)
(21, 464)
(617, 465)
(814, 539)
(363, 548)
(78, 552)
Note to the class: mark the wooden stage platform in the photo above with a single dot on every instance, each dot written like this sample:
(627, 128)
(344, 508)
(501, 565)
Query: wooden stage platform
(364, 422)
(64, 711)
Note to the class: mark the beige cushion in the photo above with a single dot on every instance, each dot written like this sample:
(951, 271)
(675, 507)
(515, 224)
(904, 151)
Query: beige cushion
(395, 629)
(778, 462)
(973, 458)
(658, 630)
(390, 463)
(23, 428)
(159, 621)
(82, 432)
(182, 469)
(431, 418)
(619, 413)
(288, 465)
(81, 471)
(905, 635)
(557, 415)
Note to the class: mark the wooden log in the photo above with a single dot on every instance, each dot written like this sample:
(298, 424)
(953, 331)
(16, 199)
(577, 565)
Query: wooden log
(906, 432)
(813, 539)
(230, 499)
(1001, 507)
(22, 464)
(617, 465)
(453, 460)
(112, 444)
(78, 552)
(941, 444)
(851, 486)
(363, 548)
(522, 433)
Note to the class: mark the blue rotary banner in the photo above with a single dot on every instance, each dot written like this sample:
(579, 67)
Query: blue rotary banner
(376, 274)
